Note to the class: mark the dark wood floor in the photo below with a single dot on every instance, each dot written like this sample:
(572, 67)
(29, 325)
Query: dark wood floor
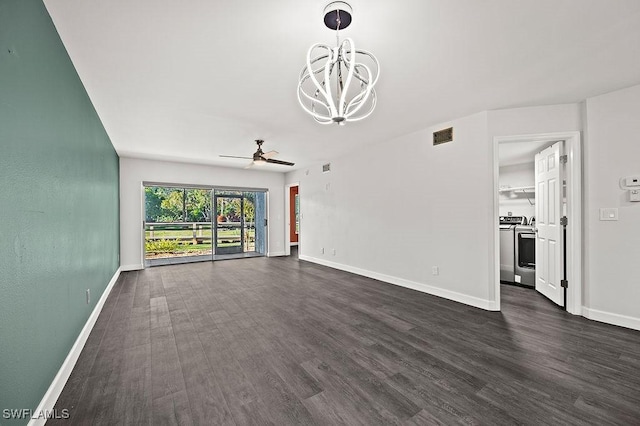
(285, 342)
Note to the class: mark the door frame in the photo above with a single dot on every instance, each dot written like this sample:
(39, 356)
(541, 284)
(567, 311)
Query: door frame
(214, 222)
(287, 219)
(573, 151)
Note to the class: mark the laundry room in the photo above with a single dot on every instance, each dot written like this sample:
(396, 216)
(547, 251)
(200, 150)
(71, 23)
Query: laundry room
(517, 214)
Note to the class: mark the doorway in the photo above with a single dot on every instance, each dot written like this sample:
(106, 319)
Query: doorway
(293, 219)
(524, 192)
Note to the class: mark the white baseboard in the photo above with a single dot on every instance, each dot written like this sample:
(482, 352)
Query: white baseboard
(610, 318)
(293, 244)
(51, 396)
(125, 268)
(276, 254)
(424, 288)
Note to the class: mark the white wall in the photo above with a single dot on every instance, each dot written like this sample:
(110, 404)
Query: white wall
(517, 202)
(135, 171)
(399, 208)
(612, 249)
(534, 120)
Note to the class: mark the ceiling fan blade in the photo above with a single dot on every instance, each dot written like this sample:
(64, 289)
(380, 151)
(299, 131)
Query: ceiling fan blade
(269, 154)
(274, 161)
(235, 156)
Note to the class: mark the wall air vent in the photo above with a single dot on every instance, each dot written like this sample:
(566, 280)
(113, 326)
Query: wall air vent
(326, 168)
(442, 136)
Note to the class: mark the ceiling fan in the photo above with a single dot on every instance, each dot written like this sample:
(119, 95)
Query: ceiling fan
(260, 157)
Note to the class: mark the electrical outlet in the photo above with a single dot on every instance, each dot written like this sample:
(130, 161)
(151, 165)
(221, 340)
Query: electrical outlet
(333, 252)
(88, 296)
(435, 270)
(321, 250)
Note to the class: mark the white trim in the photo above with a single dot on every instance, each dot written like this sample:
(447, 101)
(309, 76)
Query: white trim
(573, 149)
(143, 219)
(424, 288)
(494, 262)
(293, 244)
(277, 253)
(125, 268)
(51, 396)
(611, 318)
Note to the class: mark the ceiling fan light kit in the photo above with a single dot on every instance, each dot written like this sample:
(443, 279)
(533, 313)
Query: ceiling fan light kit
(260, 157)
(337, 83)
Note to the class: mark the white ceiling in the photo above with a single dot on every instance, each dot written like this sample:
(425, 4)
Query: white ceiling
(191, 80)
(514, 153)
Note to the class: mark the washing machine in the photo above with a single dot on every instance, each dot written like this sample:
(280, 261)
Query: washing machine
(525, 255)
(507, 246)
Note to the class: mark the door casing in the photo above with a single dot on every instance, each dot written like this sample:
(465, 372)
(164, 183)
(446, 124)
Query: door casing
(573, 150)
(287, 223)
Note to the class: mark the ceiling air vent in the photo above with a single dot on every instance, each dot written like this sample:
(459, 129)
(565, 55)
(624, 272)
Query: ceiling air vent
(326, 168)
(442, 136)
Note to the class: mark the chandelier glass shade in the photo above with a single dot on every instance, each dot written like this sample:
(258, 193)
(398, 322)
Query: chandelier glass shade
(337, 83)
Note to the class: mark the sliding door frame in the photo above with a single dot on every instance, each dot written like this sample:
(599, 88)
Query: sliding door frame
(211, 188)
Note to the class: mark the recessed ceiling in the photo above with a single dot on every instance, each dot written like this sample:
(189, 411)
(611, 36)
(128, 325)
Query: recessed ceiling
(188, 81)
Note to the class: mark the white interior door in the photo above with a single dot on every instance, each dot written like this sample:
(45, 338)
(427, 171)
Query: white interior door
(549, 241)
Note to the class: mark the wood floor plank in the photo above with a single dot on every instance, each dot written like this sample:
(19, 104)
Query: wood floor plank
(133, 401)
(205, 398)
(239, 393)
(172, 409)
(166, 371)
(324, 412)
(285, 342)
(282, 404)
(347, 399)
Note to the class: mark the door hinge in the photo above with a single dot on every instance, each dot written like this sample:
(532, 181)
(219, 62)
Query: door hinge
(564, 159)
(564, 221)
(564, 283)
(265, 222)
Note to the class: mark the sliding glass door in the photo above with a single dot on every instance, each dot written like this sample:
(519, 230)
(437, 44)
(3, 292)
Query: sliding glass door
(229, 230)
(195, 224)
(240, 225)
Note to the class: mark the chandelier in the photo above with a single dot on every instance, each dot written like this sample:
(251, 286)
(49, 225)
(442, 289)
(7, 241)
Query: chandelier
(337, 83)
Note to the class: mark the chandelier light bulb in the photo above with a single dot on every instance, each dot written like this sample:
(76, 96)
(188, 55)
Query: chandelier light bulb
(337, 83)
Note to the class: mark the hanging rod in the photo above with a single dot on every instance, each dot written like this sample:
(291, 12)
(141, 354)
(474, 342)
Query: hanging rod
(517, 188)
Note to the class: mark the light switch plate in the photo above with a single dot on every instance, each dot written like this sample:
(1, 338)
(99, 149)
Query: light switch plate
(609, 214)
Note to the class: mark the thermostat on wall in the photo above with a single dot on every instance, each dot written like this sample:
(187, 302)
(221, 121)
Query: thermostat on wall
(632, 181)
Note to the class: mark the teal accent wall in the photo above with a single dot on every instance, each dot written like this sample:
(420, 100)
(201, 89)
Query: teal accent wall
(59, 224)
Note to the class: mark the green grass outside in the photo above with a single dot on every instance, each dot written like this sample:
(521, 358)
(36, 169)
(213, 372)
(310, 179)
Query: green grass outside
(196, 247)
(187, 246)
